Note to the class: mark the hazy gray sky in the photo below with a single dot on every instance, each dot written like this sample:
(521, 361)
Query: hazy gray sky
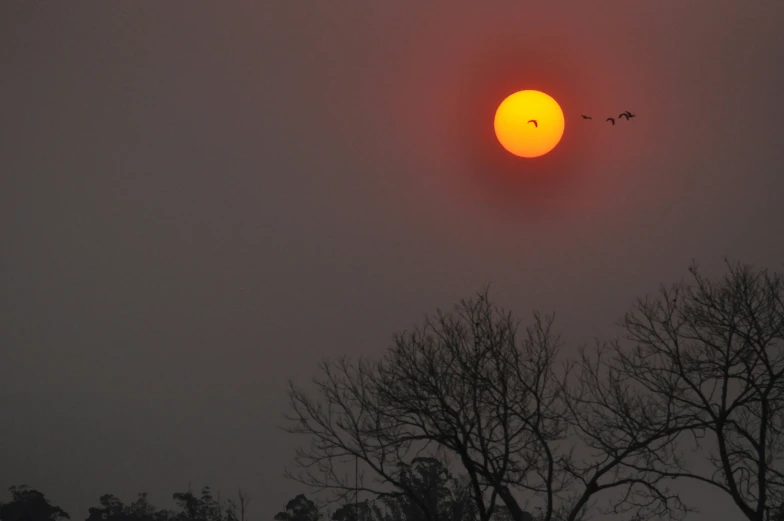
(201, 200)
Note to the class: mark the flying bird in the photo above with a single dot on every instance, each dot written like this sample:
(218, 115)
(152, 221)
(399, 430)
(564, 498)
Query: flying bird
(611, 120)
(534, 122)
(623, 115)
(586, 117)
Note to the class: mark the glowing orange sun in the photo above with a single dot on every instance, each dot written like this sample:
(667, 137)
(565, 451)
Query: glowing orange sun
(529, 123)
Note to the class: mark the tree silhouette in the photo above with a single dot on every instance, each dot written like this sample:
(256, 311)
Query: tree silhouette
(198, 508)
(191, 508)
(712, 351)
(362, 511)
(29, 505)
(439, 495)
(112, 509)
(299, 509)
(497, 402)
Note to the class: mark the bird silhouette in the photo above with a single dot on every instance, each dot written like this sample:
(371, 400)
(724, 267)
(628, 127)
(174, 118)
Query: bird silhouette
(534, 122)
(630, 114)
(586, 117)
(611, 120)
(623, 115)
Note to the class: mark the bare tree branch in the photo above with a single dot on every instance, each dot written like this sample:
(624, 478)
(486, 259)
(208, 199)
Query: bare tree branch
(712, 352)
(498, 399)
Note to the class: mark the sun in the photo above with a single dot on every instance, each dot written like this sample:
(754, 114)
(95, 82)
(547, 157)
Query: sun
(529, 123)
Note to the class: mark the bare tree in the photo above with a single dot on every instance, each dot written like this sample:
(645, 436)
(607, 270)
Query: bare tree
(468, 384)
(626, 439)
(712, 350)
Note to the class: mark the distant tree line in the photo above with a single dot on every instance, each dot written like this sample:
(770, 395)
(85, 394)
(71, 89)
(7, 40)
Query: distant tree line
(429, 478)
(444, 493)
(28, 504)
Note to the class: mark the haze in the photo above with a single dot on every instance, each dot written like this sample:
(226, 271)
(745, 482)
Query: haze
(201, 200)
